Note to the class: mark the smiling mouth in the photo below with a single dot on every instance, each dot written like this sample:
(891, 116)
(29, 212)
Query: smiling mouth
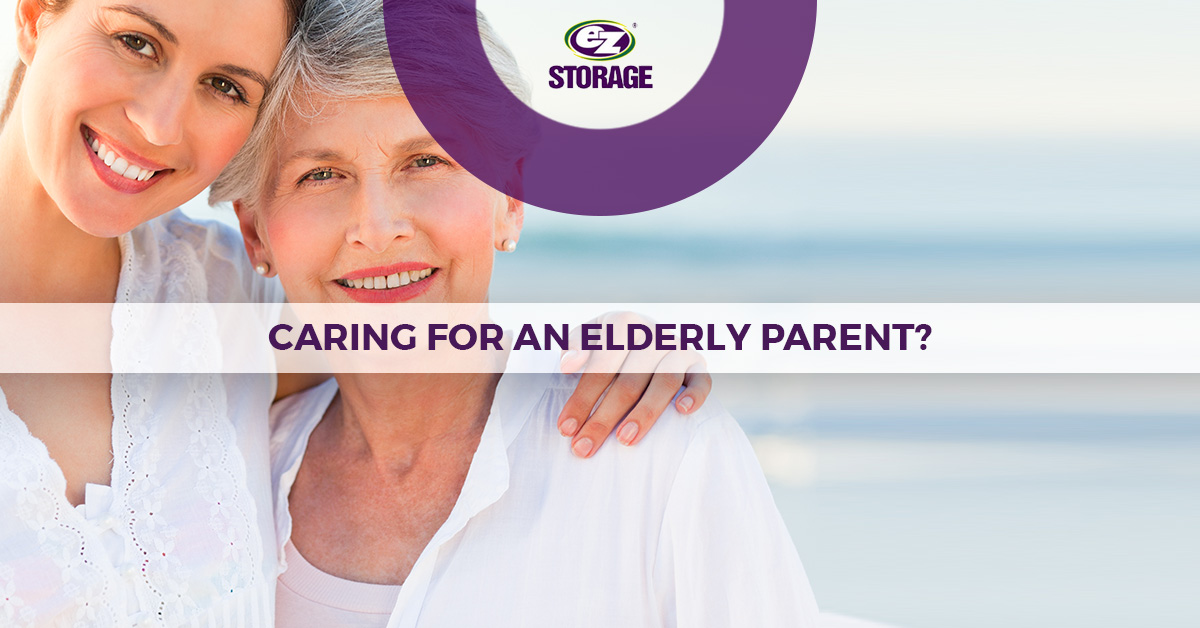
(116, 162)
(382, 282)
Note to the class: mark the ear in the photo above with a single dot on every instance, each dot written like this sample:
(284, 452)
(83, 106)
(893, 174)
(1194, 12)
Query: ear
(510, 218)
(256, 245)
(30, 20)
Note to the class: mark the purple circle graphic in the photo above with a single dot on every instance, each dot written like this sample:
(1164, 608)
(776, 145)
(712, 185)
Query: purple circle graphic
(754, 73)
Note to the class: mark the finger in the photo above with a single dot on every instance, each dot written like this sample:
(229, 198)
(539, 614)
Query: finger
(663, 387)
(579, 406)
(697, 384)
(612, 325)
(618, 400)
(574, 357)
(633, 404)
(615, 361)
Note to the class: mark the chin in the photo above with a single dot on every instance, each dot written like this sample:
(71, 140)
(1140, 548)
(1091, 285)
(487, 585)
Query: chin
(108, 222)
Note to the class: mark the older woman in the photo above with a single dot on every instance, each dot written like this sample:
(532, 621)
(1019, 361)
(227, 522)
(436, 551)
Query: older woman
(440, 499)
(137, 499)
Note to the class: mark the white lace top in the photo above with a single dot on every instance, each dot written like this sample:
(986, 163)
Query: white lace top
(184, 535)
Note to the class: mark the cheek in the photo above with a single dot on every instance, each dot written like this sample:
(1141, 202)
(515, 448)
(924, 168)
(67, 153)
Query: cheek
(462, 231)
(218, 137)
(301, 246)
(462, 223)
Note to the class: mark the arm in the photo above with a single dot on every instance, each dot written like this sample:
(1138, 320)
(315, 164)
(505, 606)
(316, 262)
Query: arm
(725, 557)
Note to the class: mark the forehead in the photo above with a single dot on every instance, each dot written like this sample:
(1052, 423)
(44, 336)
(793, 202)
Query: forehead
(380, 122)
(251, 32)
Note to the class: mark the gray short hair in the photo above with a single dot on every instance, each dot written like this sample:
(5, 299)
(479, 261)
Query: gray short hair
(339, 51)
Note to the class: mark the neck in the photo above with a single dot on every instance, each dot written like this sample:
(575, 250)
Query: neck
(43, 256)
(392, 419)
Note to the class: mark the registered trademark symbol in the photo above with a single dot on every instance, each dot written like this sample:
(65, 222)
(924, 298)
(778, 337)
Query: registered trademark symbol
(634, 25)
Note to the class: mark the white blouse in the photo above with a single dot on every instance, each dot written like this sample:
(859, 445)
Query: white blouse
(184, 534)
(678, 531)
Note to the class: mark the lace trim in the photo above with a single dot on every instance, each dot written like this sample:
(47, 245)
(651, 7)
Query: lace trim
(165, 587)
(37, 492)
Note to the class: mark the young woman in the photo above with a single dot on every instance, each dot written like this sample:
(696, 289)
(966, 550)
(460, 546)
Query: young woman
(136, 499)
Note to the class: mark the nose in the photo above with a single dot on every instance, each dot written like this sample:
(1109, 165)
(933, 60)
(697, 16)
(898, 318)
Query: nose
(381, 216)
(160, 109)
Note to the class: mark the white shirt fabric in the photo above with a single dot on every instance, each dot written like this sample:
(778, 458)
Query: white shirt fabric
(184, 534)
(680, 530)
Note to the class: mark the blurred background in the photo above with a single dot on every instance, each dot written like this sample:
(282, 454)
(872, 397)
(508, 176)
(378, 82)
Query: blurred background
(940, 151)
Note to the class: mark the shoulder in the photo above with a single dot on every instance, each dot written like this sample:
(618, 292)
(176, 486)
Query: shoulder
(217, 249)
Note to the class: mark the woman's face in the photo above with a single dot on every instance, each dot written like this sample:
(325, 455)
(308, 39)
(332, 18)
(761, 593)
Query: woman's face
(364, 196)
(130, 108)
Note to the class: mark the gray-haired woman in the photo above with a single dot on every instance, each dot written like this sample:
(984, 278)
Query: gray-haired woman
(442, 499)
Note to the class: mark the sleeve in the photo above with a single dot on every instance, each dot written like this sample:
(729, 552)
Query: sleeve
(725, 557)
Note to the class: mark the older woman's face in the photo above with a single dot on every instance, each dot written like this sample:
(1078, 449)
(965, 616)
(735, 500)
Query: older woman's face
(131, 108)
(367, 207)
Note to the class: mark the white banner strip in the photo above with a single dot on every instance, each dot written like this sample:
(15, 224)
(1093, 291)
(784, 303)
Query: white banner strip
(731, 337)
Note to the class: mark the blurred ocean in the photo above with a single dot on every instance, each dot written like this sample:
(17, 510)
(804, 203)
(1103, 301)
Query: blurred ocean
(919, 220)
(950, 501)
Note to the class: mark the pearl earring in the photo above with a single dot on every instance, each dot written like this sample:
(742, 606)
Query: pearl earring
(262, 268)
(509, 245)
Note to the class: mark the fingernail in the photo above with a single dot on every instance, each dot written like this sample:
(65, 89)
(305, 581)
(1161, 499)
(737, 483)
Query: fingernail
(582, 447)
(569, 427)
(627, 433)
(684, 404)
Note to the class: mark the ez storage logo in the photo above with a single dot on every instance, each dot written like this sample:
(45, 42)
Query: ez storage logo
(743, 93)
(600, 40)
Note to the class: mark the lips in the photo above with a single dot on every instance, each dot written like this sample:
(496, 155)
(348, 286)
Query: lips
(382, 282)
(119, 167)
(388, 284)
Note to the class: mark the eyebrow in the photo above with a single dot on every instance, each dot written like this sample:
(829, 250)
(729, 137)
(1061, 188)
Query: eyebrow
(312, 154)
(325, 154)
(245, 73)
(416, 144)
(166, 34)
(149, 19)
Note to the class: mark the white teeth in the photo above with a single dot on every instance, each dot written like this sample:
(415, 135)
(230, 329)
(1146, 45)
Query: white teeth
(118, 164)
(394, 280)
